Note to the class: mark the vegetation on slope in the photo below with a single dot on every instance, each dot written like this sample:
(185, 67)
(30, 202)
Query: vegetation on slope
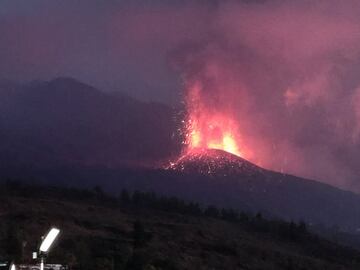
(144, 231)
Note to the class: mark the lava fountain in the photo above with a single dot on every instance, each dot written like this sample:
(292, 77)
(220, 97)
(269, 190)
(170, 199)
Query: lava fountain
(207, 127)
(212, 142)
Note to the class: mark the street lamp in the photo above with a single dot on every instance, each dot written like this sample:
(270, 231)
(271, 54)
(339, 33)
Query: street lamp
(46, 245)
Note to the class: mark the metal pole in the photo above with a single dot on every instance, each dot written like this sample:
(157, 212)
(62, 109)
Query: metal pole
(42, 263)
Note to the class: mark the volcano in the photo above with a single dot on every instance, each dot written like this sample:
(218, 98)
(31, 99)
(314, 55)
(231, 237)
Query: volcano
(214, 162)
(114, 129)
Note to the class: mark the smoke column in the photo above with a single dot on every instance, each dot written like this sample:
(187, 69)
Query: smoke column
(287, 74)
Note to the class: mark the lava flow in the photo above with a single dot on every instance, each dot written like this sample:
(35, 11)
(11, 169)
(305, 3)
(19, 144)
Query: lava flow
(208, 128)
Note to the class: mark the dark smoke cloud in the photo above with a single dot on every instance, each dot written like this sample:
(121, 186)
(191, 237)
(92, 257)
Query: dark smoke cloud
(288, 70)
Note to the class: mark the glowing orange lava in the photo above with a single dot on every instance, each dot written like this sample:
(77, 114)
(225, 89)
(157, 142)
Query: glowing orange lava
(208, 127)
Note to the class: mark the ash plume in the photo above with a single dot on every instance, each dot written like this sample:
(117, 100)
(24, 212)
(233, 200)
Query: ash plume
(288, 73)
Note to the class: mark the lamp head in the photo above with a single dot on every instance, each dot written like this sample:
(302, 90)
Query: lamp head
(49, 240)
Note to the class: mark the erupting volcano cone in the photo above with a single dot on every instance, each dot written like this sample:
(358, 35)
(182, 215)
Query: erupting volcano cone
(214, 162)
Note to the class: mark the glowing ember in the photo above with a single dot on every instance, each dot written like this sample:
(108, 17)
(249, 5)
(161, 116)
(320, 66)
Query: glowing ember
(215, 163)
(208, 128)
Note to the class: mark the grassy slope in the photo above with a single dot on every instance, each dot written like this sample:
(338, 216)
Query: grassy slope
(98, 233)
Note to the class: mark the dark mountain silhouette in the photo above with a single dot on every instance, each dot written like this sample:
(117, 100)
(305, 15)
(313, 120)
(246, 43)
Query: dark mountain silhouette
(63, 121)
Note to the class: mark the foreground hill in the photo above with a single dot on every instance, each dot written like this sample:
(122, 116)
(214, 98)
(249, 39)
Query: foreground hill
(143, 231)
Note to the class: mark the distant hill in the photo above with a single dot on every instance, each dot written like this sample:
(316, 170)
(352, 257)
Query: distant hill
(145, 231)
(66, 122)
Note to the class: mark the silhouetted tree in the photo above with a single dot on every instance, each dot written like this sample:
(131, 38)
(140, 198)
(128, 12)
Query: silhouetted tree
(136, 197)
(229, 214)
(14, 241)
(125, 197)
(140, 236)
(99, 191)
(243, 217)
(211, 211)
(302, 227)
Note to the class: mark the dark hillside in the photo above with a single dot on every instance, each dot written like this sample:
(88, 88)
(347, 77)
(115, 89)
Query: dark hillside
(145, 231)
(280, 195)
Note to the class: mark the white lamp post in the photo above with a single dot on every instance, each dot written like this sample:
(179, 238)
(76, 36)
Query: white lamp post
(46, 245)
